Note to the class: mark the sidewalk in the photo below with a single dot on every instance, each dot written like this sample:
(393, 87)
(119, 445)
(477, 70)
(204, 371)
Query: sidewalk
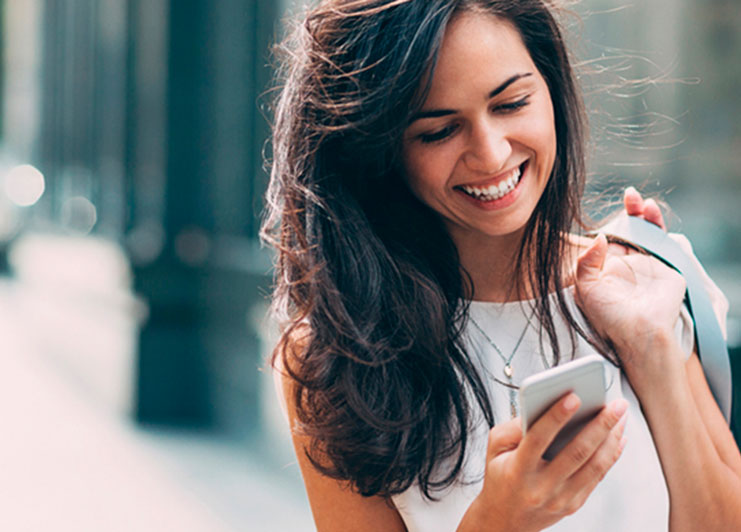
(70, 464)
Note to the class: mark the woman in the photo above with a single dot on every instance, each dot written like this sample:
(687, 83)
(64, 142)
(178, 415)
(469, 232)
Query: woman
(429, 158)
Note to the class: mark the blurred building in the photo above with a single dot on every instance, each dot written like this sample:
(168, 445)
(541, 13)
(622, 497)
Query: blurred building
(668, 80)
(145, 119)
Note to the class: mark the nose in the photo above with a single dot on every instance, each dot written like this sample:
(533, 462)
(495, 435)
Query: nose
(488, 149)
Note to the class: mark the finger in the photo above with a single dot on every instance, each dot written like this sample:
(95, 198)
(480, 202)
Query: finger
(575, 491)
(580, 450)
(590, 262)
(503, 437)
(633, 202)
(592, 473)
(540, 435)
(652, 213)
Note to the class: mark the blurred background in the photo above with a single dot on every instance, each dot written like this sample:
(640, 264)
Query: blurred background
(134, 289)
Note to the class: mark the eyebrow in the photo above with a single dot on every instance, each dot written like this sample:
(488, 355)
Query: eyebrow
(435, 113)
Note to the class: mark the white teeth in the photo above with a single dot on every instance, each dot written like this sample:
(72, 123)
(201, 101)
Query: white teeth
(494, 192)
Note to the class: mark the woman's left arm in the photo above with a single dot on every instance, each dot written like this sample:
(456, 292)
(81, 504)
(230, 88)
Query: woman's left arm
(634, 300)
(698, 454)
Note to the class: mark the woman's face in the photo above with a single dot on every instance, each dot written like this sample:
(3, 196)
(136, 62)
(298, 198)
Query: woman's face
(481, 151)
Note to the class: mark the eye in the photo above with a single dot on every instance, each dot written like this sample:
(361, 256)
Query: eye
(442, 134)
(512, 106)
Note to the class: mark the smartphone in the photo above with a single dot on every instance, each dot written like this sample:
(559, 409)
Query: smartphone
(583, 376)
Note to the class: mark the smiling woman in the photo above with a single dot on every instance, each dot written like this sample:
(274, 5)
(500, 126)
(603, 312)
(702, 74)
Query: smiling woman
(429, 161)
(482, 157)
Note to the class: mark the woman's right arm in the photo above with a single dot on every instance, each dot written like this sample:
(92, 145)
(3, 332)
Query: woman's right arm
(524, 492)
(334, 505)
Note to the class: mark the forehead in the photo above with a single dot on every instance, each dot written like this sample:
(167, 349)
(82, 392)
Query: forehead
(478, 52)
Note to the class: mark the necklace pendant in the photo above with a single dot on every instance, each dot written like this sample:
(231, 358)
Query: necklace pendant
(512, 404)
(508, 371)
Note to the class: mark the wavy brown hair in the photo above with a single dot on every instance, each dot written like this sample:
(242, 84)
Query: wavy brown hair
(368, 283)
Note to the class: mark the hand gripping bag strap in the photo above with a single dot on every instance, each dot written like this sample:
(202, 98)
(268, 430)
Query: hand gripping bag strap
(711, 345)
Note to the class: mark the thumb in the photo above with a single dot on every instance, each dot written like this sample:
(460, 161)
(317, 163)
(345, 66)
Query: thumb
(503, 437)
(589, 264)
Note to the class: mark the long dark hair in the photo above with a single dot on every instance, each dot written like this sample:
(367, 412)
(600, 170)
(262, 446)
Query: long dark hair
(369, 287)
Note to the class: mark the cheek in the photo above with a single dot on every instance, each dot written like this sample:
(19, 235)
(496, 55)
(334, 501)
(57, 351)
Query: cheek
(540, 135)
(426, 169)
(432, 162)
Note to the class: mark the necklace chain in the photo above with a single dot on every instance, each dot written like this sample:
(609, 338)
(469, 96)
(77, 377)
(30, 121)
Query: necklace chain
(507, 370)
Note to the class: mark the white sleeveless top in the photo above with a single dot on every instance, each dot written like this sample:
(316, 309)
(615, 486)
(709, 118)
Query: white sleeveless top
(633, 495)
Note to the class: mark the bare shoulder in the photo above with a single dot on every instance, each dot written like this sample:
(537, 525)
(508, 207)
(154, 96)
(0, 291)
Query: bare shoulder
(334, 504)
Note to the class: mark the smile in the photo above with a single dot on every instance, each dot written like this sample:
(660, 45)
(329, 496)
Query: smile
(497, 190)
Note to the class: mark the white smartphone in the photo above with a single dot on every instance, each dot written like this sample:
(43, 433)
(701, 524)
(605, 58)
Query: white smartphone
(583, 376)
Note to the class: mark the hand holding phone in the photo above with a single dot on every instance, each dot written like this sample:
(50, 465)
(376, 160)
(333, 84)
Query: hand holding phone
(583, 376)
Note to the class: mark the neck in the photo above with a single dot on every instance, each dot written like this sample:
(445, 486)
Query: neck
(492, 265)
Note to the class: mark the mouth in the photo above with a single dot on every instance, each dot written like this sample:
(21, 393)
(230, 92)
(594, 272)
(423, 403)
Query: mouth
(495, 191)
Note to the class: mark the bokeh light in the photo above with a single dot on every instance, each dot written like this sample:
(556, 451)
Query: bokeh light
(79, 214)
(24, 185)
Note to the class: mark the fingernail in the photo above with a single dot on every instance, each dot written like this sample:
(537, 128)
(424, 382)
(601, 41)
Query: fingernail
(619, 407)
(571, 403)
(630, 189)
(622, 443)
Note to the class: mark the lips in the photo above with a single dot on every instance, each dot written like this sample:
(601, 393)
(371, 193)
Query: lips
(497, 190)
